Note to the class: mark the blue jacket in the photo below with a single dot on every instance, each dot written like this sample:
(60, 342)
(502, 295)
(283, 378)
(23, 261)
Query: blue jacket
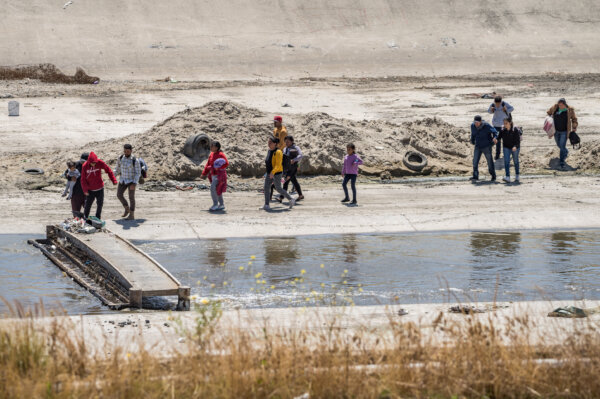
(484, 136)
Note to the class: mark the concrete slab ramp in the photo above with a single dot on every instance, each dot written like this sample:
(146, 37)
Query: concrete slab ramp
(202, 39)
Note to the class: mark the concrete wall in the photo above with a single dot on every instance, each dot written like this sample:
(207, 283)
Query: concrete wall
(202, 39)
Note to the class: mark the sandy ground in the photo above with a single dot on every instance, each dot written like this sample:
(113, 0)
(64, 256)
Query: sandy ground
(191, 39)
(281, 50)
(60, 116)
(552, 202)
(166, 333)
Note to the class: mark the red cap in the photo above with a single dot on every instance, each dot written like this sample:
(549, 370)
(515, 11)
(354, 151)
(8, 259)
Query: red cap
(278, 118)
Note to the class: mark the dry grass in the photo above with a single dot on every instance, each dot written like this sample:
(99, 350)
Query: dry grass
(478, 361)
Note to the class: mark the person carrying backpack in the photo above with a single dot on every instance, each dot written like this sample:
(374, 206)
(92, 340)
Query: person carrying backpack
(129, 170)
(501, 110)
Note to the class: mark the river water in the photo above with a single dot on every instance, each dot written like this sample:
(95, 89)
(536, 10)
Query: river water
(355, 269)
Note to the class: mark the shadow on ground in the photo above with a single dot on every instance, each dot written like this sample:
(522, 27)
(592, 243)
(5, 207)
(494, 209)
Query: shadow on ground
(128, 224)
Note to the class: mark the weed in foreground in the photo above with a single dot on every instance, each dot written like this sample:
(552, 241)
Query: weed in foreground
(473, 358)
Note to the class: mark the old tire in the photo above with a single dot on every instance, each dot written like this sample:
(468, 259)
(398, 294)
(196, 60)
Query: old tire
(197, 147)
(414, 160)
(34, 171)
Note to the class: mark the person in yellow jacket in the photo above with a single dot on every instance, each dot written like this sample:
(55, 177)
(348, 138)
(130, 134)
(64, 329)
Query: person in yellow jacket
(274, 166)
(279, 131)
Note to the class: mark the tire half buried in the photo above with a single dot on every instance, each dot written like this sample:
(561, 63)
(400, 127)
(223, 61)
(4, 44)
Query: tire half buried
(34, 171)
(414, 160)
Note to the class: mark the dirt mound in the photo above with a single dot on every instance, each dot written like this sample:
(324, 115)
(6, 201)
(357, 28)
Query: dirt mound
(46, 73)
(588, 157)
(243, 134)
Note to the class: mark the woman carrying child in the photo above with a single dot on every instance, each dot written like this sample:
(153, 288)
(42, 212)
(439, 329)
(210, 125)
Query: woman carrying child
(72, 174)
(350, 172)
(215, 169)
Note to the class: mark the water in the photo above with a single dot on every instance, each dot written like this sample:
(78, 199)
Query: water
(359, 269)
(27, 276)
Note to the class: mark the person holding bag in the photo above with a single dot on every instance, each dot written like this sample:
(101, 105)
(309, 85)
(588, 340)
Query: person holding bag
(565, 125)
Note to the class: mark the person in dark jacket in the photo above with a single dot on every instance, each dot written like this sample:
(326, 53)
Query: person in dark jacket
(483, 137)
(501, 110)
(511, 142)
(565, 123)
(291, 156)
(78, 199)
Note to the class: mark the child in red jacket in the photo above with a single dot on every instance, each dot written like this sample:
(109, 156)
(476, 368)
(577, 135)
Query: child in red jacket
(217, 175)
(93, 185)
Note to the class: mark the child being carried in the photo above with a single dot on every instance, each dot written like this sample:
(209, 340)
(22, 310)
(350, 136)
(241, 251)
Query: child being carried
(72, 174)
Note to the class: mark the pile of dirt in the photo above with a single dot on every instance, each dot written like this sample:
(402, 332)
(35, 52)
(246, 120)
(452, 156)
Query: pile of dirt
(243, 134)
(586, 158)
(47, 73)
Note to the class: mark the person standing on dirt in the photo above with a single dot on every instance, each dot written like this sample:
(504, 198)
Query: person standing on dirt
(501, 110)
(274, 166)
(291, 156)
(215, 170)
(511, 140)
(279, 131)
(483, 136)
(78, 199)
(129, 170)
(93, 185)
(565, 123)
(350, 172)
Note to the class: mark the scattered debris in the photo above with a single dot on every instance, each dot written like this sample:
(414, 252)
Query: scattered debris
(286, 105)
(181, 340)
(465, 309)
(47, 73)
(573, 312)
(392, 44)
(13, 108)
(156, 186)
(67, 4)
(448, 41)
(402, 312)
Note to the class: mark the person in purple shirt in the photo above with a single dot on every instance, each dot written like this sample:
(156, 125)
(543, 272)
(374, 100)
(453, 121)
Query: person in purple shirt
(350, 172)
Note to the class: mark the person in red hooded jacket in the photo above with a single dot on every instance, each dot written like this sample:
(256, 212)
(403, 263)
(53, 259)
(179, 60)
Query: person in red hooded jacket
(93, 185)
(217, 175)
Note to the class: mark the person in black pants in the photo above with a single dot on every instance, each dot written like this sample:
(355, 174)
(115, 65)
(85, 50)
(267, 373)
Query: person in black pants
(291, 156)
(78, 199)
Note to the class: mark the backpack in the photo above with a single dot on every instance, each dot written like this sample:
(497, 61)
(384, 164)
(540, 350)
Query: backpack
(575, 140)
(143, 165)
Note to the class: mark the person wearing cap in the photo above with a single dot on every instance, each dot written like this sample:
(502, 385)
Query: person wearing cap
(129, 171)
(483, 136)
(279, 131)
(565, 123)
(501, 110)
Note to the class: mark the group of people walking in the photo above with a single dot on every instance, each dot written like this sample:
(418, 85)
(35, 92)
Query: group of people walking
(85, 184)
(502, 133)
